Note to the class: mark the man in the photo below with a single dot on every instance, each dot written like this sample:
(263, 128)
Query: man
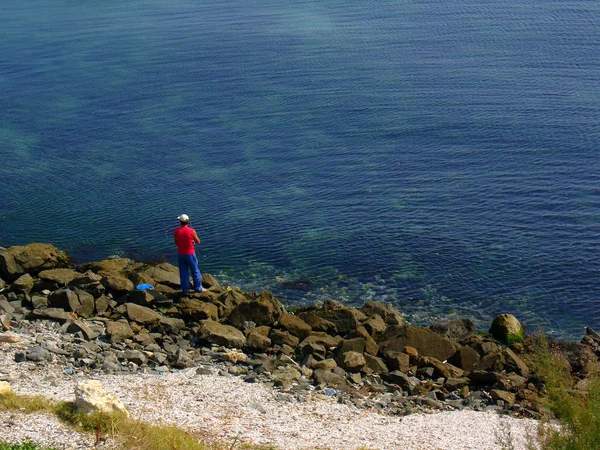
(185, 238)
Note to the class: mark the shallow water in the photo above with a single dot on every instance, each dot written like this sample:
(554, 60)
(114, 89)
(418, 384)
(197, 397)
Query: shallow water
(440, 156)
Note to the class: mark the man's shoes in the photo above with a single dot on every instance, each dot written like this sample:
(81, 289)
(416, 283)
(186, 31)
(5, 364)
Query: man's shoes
(198, 291)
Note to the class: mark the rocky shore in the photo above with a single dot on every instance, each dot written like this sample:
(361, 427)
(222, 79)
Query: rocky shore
(119, 317)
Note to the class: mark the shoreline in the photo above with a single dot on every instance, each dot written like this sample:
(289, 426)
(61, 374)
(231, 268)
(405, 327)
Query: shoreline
(367, 359)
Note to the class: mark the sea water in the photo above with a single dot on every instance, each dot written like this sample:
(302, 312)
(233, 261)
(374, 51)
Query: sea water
(438, 155)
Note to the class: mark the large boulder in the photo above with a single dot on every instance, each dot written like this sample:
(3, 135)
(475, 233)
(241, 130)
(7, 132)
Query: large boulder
(454, 329)
(115, 266)
(465, 357)
(220, 334)
(194, 310)
(506, 328)
(142, 314)
(23, 284)
(385, 311)
(78, 301)
(318, 323)
(425, 341)
(264, 310)
(32, 258)
(61, 277)
(345, 319)
(164, 273)
(119, 331)
(295, 325)
(116, 284)
(90, 397)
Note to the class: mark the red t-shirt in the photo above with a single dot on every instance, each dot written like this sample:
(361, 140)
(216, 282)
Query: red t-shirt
(184, 238)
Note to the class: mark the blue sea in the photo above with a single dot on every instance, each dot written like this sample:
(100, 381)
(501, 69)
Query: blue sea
(442, 156)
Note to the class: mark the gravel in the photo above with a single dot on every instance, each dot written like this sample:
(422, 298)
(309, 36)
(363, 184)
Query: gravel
(225, 408)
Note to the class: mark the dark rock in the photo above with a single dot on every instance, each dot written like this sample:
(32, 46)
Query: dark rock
(345, 319)
(453, 384)
(119, 331)
(209, 282)
(445, 370)
(166, 274)
(386, 311)
(220, 334)
(514, 363)
(318, 323)
(283, 338)
(183, 359)
(295, 325)
(454, 329)
(407, 383)
(351, 345)
(377, 365)
(328, 378)
(32, 258)
(136, 357)
(142, 314)
(116, 284)
(142, 298)
(195, 310)
(492, 362)
(264, 310)
(465, 358)
(375, 325)
(482, 377)
(80, 326)
(397, 361)
(425, 341)
(506, 397)
(55, 314)
(23, 284)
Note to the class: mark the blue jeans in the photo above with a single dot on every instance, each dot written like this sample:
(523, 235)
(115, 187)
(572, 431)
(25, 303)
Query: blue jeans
(187, 264)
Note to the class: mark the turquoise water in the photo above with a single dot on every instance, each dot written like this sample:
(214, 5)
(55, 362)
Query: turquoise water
(442, 156)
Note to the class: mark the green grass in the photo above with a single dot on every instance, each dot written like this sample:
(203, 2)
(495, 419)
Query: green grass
(25, 445)
(577, 411)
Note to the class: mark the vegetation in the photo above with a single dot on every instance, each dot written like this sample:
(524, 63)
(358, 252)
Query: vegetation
(578, 411)
(25, 445)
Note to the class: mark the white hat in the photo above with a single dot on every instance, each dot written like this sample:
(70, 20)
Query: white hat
(184, 218)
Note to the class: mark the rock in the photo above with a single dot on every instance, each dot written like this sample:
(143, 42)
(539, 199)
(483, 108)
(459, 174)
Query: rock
(135, 356)
(164, 273)
(507, 397)
(352, 361)
(425, 341)
(195, 310)
(9, 338)
(351, 345)
(23, 284)
(171, 325)
(183, 360)
(220, 334)
(5, 388)
(407, 383)
(375, 325)
(377, 365)
(295, 325)
(119, 331)
(441, 369)
(385, 311)
(113, 265)
(5, 306)
(234, 357)
(465, 358)
(102, 304)
(38, 354)
(371, 346)
(283, 338)
(506, 328)
(454, 329)
(142, 314)
(55, 314)
(80, 326)
(328, 378)
(32, 258)
(90, 397)
(62, 277)
(511, 382)
(397, 361)
(493, 362)
(326, 364)
(258, 342)
(514, 363)
(210, 282)
(5, 322)
(482, 377)
(142, 298)
(453, 384)
(345, 319)
(39, 302)
(89, 282)
(284, 376)
(318, 323)
(264, 310)
(116, 284)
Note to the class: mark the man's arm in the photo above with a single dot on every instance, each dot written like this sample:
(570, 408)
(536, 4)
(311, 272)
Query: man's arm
(196, 238)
